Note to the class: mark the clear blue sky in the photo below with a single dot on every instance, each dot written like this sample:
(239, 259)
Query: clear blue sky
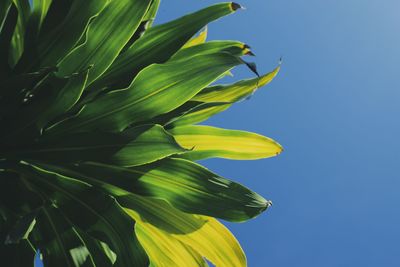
(335, 108)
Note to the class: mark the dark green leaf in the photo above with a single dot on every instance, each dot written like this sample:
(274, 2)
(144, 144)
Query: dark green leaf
(57, 42)
(17, 255)
(64, 99)
(97, 214)
(63, 244)
(4, 7)
(7, 31)
(22, 228)
(17, 43)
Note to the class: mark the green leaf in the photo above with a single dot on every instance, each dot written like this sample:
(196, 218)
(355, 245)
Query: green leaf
(159, 44)
(164, 250)
(184, 184)
(56, 42)
(232, 47)
(16, 202)
(61, 242)
(205, 104)
(7, 31)
(136, 146)
(41, 7)
(95, 213)
(235, 92)
(4, 7)
(152, 12)
(105, 38)
(64, 99)
(200, 112)
(22, 228)
(158, 89)
(21, 124)
(145, 24)
(161, 214)
(212, 241)
(156, 211)
(18, 39)
(58, 240)
(207, 141)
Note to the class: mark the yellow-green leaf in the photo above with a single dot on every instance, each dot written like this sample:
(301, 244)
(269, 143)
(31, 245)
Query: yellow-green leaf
(212, 241)
(235, 92)
(207, 141)
(199, 39)
(165, 250)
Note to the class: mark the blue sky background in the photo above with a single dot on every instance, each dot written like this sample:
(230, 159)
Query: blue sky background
(334, 107)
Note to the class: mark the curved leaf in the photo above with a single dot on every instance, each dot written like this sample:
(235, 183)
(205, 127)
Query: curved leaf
(105, 38)
(56, 42)
(97, 214)
(6, 34)
(209, 97)
(235, 48)
(234, 92)
(164, 250)
(207, 141)
(160, 43)
(145, 24)
(64, 99)
(156, 211)
(156, 90)
(58, 239)
(4, 7)
(133, 147)
(212, 241)
(61, 242)
(200, 112)
(184, 184)
(18, 39)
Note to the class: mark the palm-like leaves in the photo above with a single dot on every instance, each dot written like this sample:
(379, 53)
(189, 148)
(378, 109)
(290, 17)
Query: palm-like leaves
(98, 111)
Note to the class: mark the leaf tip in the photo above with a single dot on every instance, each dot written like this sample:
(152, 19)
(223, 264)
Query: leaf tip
(236, 6)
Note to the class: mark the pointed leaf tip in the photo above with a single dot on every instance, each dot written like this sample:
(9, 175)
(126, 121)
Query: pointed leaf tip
(236, 6)
(253, 67)
(247, 50)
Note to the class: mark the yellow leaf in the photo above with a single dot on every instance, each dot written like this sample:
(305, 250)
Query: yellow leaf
(212, 241)
(199, 39)
(215, 242)
(164, 250)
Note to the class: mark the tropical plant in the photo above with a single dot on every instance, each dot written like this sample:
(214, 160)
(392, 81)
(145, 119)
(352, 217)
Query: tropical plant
(98, 114)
